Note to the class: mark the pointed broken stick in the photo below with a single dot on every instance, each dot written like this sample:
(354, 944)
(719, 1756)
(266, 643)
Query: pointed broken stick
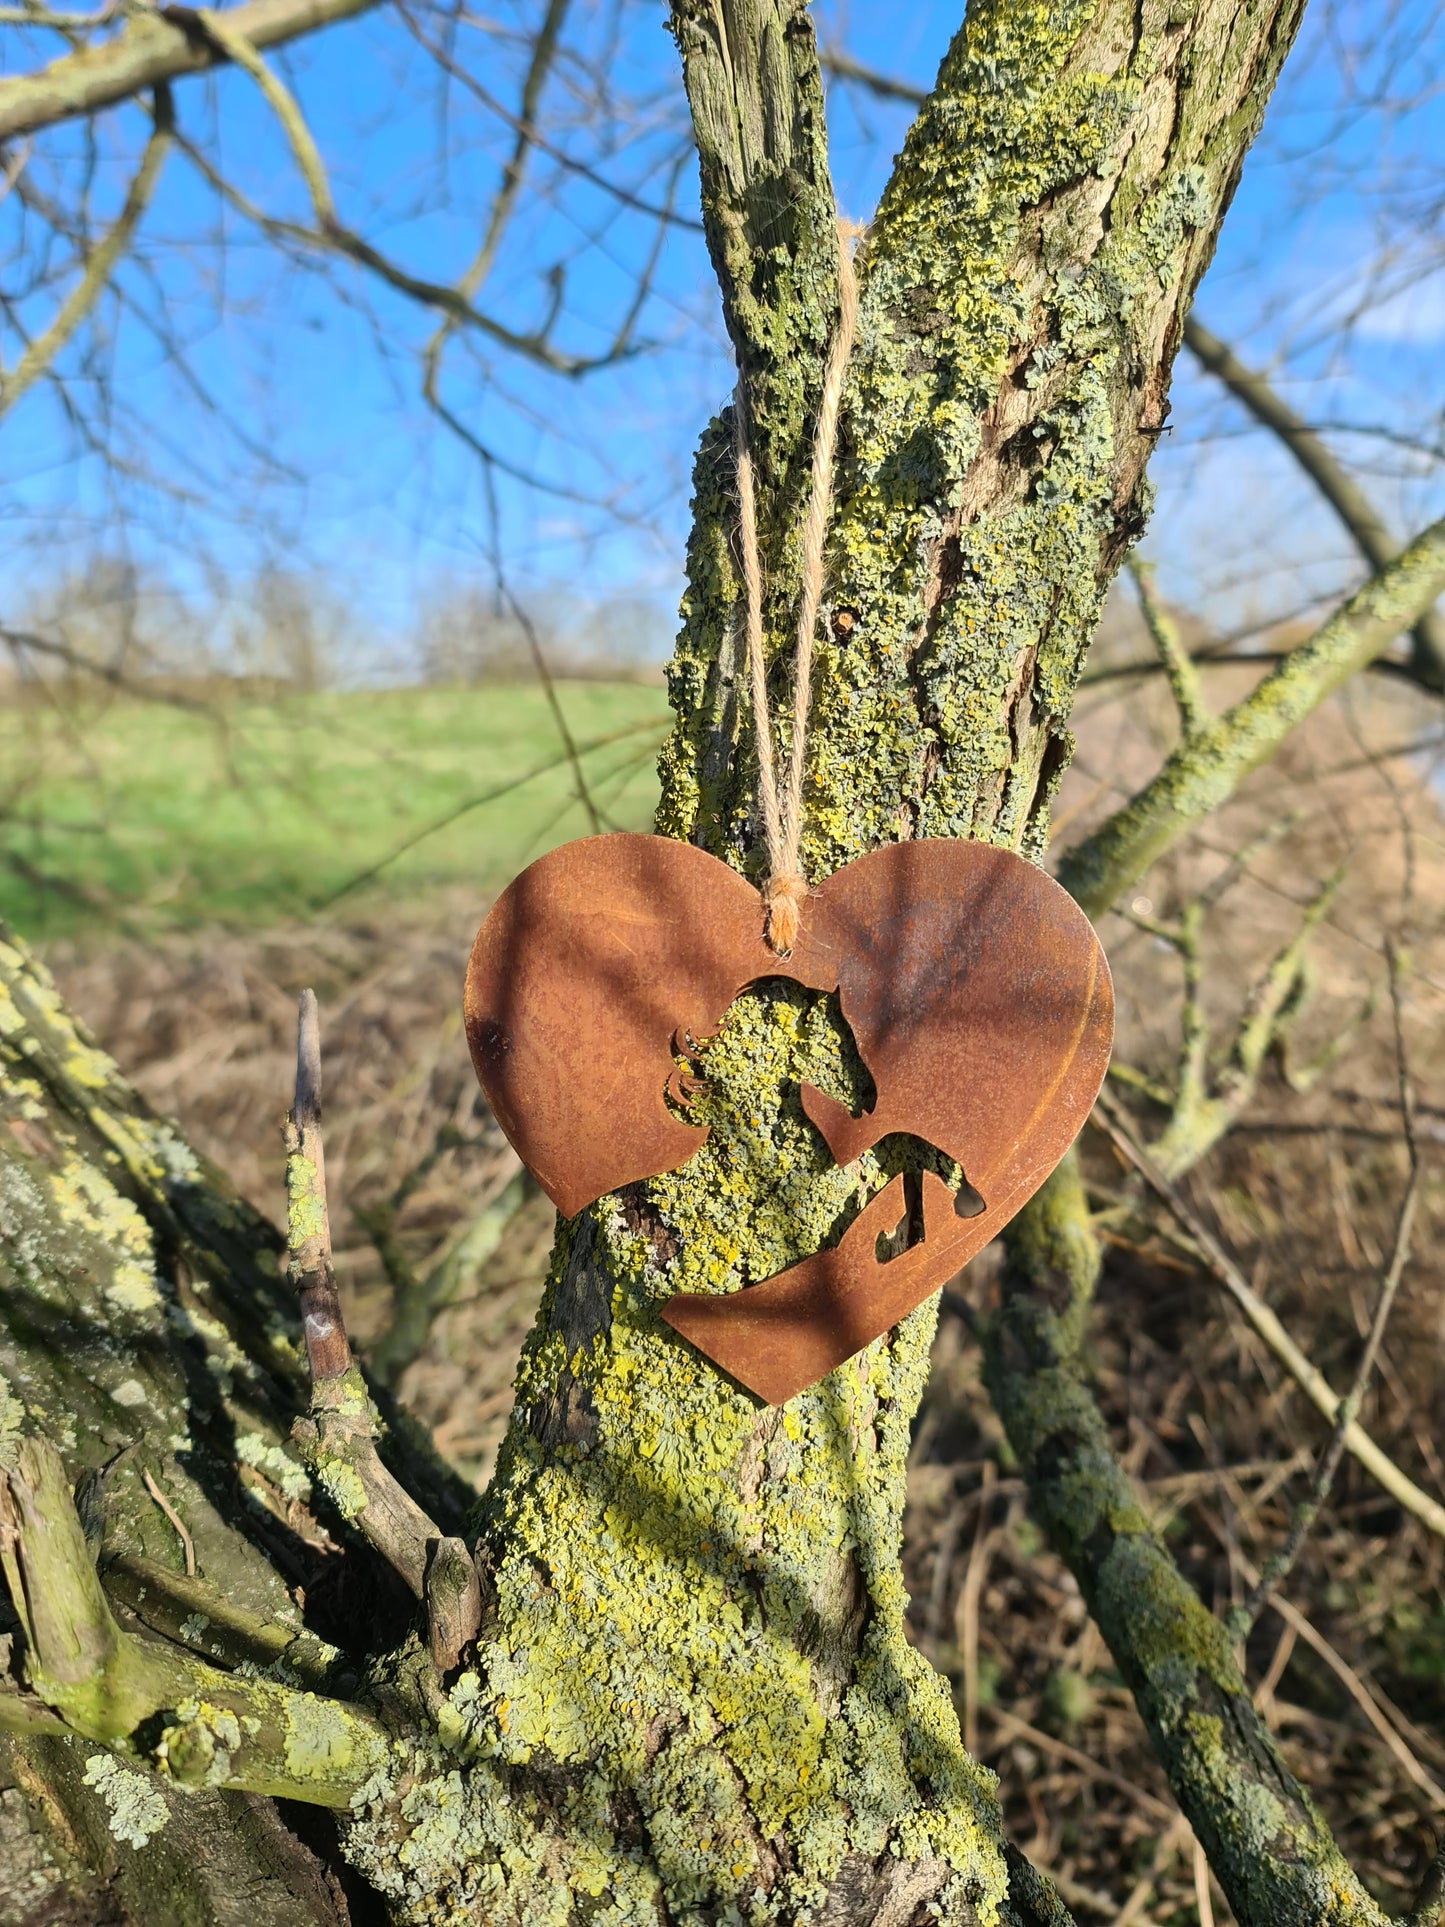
(338, 1437)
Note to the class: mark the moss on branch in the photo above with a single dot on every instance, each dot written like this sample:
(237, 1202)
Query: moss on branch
(1267, 1843)
(1205, 770)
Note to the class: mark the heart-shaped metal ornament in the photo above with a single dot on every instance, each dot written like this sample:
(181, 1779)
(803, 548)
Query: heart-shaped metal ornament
(977, 993)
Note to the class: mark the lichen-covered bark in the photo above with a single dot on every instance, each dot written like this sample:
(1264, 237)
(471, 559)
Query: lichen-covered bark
(1023, 292)
(68, 1852)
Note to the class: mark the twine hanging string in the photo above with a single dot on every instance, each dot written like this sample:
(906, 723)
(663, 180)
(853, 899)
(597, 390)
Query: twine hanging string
(782, 814)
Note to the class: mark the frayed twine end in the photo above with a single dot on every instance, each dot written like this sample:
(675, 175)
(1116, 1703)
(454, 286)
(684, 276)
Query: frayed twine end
(782, 899)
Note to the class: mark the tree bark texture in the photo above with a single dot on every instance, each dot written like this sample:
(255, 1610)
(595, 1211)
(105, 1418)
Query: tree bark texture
(693, 1699)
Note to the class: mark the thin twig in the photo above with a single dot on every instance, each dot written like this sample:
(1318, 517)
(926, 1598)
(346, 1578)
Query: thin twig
(968, 1602)
(283, 105)
(339, 1436)
(1202, 1898)
(1278, 1567)
(544, 49)
(100, 264)
(1011, 1726)
(470, 803)
(1358, 1443)
(187, 1545)
(554, 703)
(1338, 487)
(1358, 1691)
(1165, 1848)
(331, 233)
(843, 66)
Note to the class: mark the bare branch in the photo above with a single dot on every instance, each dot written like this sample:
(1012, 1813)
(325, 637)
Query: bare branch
(544, 51)
(333, 237)
(1178, 664)
(234, 44)
(155, 48)
(1203, 1110)
(1354, 508)
(1204, 772)
(535, 137)
(1222, 1761)
(843, 66)
(1278, 1567)
(339, 1437)
(1356, 1687)
(100, 265)
(328, 1352)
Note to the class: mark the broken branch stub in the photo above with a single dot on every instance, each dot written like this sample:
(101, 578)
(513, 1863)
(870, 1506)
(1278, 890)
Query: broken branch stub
(338, 1437)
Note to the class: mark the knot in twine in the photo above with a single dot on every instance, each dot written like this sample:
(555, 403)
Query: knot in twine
(785, 887)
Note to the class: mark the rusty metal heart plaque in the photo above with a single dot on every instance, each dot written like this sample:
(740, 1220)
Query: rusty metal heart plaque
(977, 994)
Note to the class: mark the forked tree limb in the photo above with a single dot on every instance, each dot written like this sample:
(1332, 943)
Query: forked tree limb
(191, 1722)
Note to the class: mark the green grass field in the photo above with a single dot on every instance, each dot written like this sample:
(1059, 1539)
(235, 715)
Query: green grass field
(142, 815)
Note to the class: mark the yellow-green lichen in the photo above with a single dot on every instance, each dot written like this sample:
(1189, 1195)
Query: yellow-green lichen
(276, 1463)
(321, 1742)
(341, 1484)
(83, 1197)
(305, 1202)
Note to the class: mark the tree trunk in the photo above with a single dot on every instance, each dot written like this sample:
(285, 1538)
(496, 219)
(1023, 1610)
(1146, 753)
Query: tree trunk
(697, 1692)
(693, 1698)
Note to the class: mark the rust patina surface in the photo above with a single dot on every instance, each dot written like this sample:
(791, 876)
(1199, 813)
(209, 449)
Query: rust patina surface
(977, 993)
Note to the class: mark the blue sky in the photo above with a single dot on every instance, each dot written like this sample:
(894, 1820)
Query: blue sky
(332, 463)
